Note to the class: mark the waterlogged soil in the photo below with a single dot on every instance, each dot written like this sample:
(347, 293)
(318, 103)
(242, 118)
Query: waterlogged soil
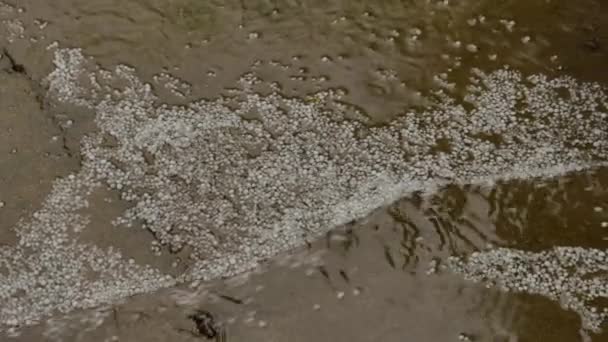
(369, 280)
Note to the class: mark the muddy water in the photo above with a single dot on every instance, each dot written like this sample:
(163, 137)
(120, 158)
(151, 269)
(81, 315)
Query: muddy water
(374, 280)
(387, 57)
(384, 55)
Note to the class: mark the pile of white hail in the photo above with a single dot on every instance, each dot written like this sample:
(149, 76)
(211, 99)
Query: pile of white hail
(573, 276)
(237, 180)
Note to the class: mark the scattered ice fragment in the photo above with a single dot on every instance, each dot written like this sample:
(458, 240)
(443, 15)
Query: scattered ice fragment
(557, 274)
(472, 48)
(156, 159)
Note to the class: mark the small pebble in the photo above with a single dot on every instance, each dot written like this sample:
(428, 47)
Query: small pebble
(340, 294)
(605, 224)
(316, 307)
(598, 209)
(262, 324)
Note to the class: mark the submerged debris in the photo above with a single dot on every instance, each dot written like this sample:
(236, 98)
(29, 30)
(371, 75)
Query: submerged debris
(231, 299)
(205, 324)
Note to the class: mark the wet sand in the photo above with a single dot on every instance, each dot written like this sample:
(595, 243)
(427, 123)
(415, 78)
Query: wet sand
(370, 279)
